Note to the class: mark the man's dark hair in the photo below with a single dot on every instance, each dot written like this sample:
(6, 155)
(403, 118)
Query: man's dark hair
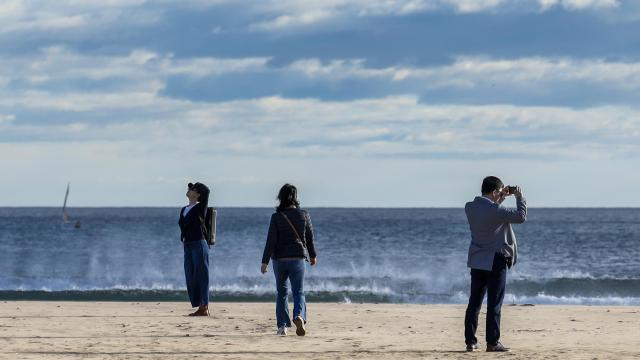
(491, 183)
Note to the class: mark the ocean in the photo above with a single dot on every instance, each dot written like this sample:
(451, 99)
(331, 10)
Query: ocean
(566, 256)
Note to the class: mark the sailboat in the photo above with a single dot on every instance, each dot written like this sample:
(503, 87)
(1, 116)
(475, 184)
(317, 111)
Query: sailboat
(65, 215)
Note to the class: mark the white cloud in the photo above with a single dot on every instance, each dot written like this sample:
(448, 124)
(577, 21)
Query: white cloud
(270, 15)
(579, 4)
(468, 72)
(325, 147)
(42, 15)
(471, 6)
(5, 119)
(391, 126)
(388, 127)
(79, 101)
(283, 14)
(11, 8)
(339, 69)
(138, 70)
(294, 20)
(202, 67)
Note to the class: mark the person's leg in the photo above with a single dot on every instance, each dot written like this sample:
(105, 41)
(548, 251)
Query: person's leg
(495, 294)
(202, 274)
(297, 270)
(476, 294)
(282, 291)
(189, 275)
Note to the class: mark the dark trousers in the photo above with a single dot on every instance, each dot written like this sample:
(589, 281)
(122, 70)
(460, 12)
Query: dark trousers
(493, 284)
(196, 272)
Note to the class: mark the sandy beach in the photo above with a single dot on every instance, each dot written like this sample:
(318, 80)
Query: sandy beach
(114, 330)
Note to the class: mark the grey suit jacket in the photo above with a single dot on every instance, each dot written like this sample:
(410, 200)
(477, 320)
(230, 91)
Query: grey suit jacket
(491, 230)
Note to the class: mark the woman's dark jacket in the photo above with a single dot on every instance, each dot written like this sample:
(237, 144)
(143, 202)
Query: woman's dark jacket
(192, 224)
(282, 241)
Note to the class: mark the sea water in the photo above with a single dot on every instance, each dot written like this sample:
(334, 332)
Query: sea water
(566, 256)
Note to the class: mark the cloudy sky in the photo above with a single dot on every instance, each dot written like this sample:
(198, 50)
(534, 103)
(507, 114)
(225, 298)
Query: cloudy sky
(358, 102)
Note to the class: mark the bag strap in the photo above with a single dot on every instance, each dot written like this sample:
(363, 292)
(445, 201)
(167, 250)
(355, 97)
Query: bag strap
(293, 228)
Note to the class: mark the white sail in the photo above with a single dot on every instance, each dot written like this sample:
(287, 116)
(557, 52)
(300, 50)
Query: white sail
(65, 216)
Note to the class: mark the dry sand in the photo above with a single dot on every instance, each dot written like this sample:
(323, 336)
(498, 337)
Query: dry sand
(113, 330)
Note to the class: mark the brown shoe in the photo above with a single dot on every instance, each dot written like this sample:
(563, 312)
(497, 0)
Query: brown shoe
(496, 348)
(300, 330)
(202, 311)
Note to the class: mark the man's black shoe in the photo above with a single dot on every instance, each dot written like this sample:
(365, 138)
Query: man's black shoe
(496, 348)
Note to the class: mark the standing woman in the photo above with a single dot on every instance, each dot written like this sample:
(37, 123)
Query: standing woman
(289, 244)
(196, 249)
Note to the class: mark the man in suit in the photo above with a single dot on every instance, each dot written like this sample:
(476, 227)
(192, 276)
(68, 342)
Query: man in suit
(493, 249)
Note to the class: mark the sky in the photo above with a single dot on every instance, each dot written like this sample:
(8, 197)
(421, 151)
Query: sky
(360, 103)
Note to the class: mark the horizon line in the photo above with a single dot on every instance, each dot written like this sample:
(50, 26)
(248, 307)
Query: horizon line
(307, 207)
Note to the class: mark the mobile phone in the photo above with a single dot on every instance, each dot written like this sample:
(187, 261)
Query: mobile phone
(511, 190)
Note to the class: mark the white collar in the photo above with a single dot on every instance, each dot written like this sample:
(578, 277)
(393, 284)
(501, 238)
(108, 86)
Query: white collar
(484, 197)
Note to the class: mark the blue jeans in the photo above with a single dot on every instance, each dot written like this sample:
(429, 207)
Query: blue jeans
(294, 271)
(493, 284)
(196, 271)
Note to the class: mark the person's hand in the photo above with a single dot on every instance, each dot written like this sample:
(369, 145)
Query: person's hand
(501, 195)
(518, 193)
(263, 268)
(313, 261)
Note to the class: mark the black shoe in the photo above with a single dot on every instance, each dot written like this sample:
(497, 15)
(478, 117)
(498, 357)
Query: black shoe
(472, 347)
(496, 348)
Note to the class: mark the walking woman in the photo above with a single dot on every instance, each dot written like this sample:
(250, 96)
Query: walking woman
(196, 250)
(289, 244)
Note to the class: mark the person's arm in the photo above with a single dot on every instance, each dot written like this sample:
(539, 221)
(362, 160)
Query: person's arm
(517, 215)
(308, 235)
(180, 224)
(272, 237)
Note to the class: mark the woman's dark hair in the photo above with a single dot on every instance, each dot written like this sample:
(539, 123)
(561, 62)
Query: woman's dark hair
(491, 183)
(203, 192)
(288, 197)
